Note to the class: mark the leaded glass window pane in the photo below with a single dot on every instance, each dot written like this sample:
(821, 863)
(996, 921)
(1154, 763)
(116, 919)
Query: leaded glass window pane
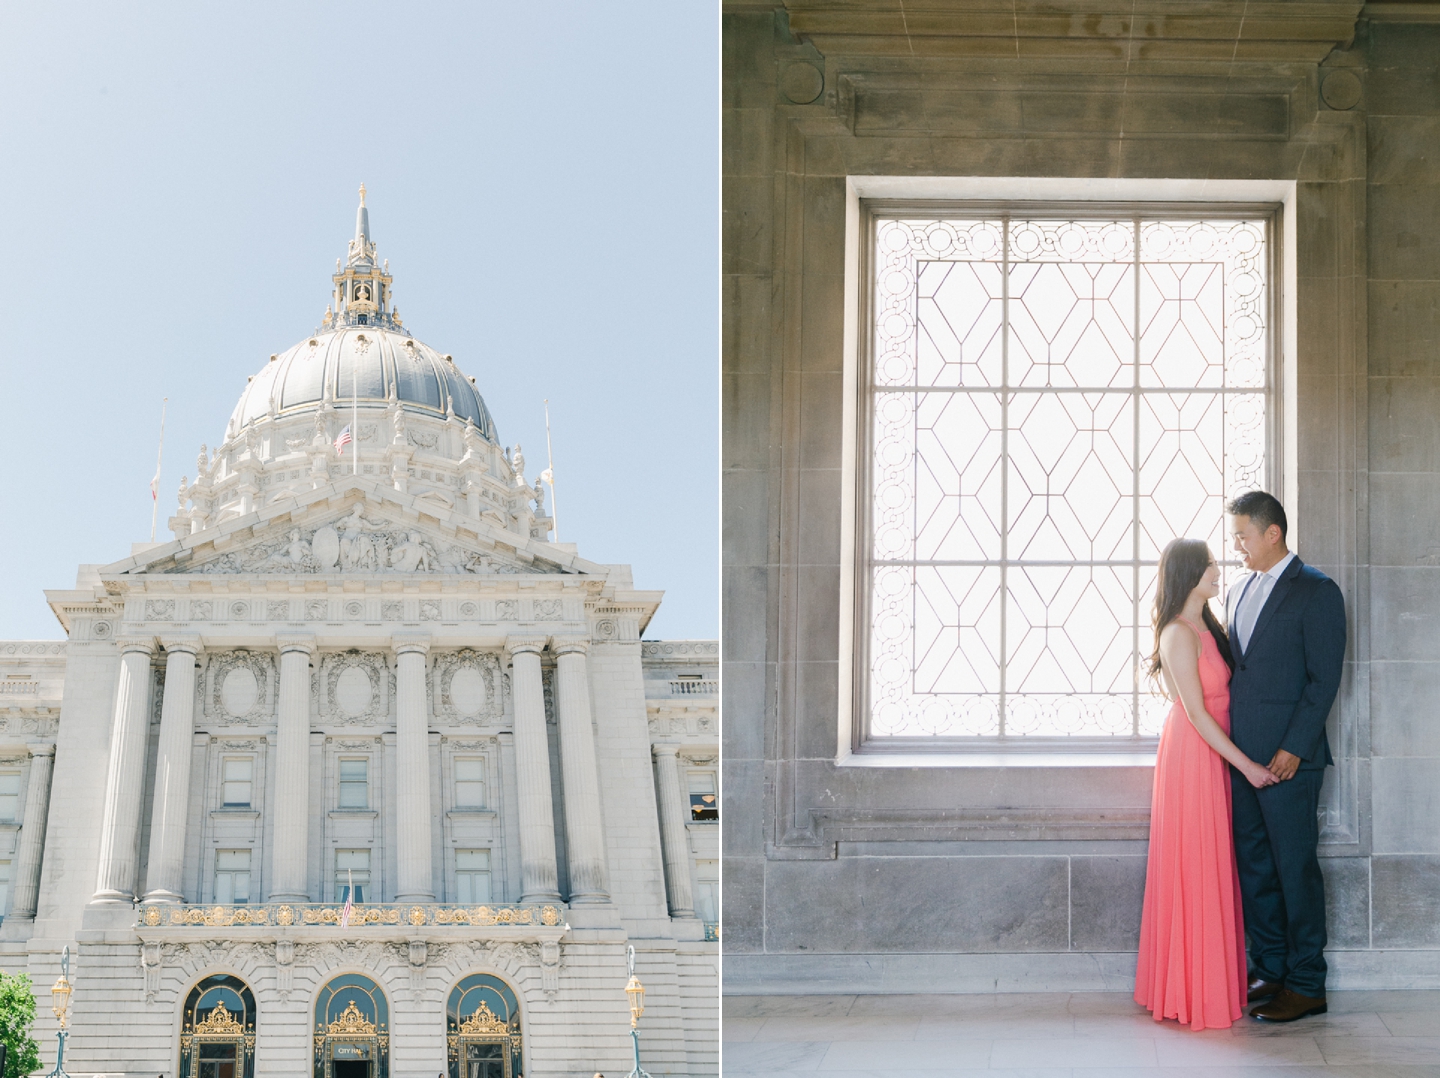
(1050, 402)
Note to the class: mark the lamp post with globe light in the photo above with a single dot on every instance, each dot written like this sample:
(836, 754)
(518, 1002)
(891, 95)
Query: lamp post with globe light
(636, 991)
(60, 994)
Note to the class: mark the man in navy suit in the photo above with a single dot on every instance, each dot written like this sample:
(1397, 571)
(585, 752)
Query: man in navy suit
(1287, 633)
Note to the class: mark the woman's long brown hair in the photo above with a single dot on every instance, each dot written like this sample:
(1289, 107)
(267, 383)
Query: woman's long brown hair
(1182, 563)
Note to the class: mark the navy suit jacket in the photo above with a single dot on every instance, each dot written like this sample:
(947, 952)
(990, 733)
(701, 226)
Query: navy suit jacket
(1286, 680)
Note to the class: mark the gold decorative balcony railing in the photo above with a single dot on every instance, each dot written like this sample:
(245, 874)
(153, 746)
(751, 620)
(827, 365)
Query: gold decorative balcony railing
(295, 914)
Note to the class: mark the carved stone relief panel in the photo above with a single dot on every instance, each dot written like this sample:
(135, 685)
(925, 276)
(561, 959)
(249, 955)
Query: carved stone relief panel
(471, 688)
(159, 609)
(548, 609)
(357, 688)
(507, 610)
(241, 686)
(278, 609)
(202, 609)
(392, 610)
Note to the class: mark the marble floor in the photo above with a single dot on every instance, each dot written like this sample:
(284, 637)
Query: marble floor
(1081, 1035)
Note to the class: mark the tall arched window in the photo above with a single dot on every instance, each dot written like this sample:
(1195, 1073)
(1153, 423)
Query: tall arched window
(217, 1031)
(482, 1026)
(352, 1029)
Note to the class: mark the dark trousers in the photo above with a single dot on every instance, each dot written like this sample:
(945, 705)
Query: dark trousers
(1277, 830)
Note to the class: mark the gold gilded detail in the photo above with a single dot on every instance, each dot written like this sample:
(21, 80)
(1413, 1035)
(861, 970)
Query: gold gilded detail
(361, 917)
(483, 1021)
(219, 1023)
(351, 1023)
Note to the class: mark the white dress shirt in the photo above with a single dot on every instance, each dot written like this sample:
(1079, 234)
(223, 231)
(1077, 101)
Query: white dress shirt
(1253, 593)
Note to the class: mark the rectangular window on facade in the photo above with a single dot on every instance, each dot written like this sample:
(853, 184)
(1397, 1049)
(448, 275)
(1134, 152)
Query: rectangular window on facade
(232, 876)
(9, 795)
(354, 784)
(470, 782)
(237, 775)
(352, 868)
(707, 890)
(704, 804)
(472, 876)
(1049, 395)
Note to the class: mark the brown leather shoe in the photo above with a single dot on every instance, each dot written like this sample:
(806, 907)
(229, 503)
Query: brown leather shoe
(1260, 988)
(1287, 1006)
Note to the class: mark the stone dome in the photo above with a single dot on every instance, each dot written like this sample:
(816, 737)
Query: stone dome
(374, 360)
(362, 349)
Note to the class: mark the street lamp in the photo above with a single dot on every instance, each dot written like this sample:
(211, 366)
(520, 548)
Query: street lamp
(60, 994)
(636, 991)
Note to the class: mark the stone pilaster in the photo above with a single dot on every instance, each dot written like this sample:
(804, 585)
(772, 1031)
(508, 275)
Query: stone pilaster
(584, 827)
(30, 855)
(538, 873)
(124, 778)
(170, 810)
(672, 831)
(412, 774)
(288, 873)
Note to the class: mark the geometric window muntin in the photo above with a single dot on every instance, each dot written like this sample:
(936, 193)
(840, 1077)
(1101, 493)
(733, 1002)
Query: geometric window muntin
(1050, 399)
(482, 1024)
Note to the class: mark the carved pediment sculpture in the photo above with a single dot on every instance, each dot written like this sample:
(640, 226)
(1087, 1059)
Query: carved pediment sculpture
(357, 543)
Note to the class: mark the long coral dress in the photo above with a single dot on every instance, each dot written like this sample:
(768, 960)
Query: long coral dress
(1192, 938)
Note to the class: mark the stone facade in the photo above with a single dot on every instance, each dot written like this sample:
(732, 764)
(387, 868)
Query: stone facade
(849, 878)
(361, 671)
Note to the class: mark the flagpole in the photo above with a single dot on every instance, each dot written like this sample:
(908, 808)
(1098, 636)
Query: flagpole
(550, 475)
(155, 483)
(355, 418)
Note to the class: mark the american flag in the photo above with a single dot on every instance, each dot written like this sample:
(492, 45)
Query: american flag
(342, 441)
(349, 890)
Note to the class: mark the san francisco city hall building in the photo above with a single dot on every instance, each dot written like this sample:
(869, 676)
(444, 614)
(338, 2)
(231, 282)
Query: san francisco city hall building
(363, 674)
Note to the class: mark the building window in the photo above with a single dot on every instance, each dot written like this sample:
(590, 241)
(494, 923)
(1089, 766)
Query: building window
(9, 794)
(707, 890)
(237, 774)
(232, 876)
(355, 784)
(1048, 396)
(470, 782)
(352, 869)
(472, 876)
(704, 804)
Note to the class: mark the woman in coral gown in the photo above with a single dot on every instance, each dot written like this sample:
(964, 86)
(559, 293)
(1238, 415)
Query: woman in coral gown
(1192, 938)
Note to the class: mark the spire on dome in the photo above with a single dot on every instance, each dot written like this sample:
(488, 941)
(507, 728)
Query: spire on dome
(362, 285)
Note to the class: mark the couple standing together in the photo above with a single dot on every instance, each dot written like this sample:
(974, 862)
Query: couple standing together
(1234, 821)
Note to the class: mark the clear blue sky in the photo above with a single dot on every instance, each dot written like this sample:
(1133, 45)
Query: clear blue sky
(177, 180)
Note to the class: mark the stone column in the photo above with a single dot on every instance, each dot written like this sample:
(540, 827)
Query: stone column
(32, 834)
(171, 805)
(290, 859)
(125, 778)
(584, 831)
(673, 836)
(538, 873)
(412, 774)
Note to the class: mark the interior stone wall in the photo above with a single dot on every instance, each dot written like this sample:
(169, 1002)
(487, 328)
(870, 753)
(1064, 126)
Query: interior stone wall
(871, 879)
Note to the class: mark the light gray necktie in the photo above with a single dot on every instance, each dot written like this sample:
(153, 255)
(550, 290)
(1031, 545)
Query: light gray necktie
(1247, 610)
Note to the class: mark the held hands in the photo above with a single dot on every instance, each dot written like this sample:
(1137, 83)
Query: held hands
(1259, 777)
(1284, 765)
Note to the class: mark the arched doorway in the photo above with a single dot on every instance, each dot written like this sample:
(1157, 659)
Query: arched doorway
(217, 1030)
(482, 1026)
(352, 1029)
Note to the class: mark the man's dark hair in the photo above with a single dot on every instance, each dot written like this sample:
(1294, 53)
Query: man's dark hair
(1264, 509)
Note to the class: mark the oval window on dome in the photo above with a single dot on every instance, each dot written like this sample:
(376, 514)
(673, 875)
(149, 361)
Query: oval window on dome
(415, 378)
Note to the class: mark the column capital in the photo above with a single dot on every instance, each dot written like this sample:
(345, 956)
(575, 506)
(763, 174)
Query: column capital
(570, 645)
(405, 643)
(519, 645)
(128, 644)
(47, 749)
(296, 642)
(186, 643)
(665, 749)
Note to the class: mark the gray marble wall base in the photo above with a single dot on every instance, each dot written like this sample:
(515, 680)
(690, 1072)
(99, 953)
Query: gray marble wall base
(898, 974)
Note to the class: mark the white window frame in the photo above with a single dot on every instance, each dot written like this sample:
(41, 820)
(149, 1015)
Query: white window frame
(488, 872)
(248, 871)
(341, 783)
(852, 748)
(229, 758)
